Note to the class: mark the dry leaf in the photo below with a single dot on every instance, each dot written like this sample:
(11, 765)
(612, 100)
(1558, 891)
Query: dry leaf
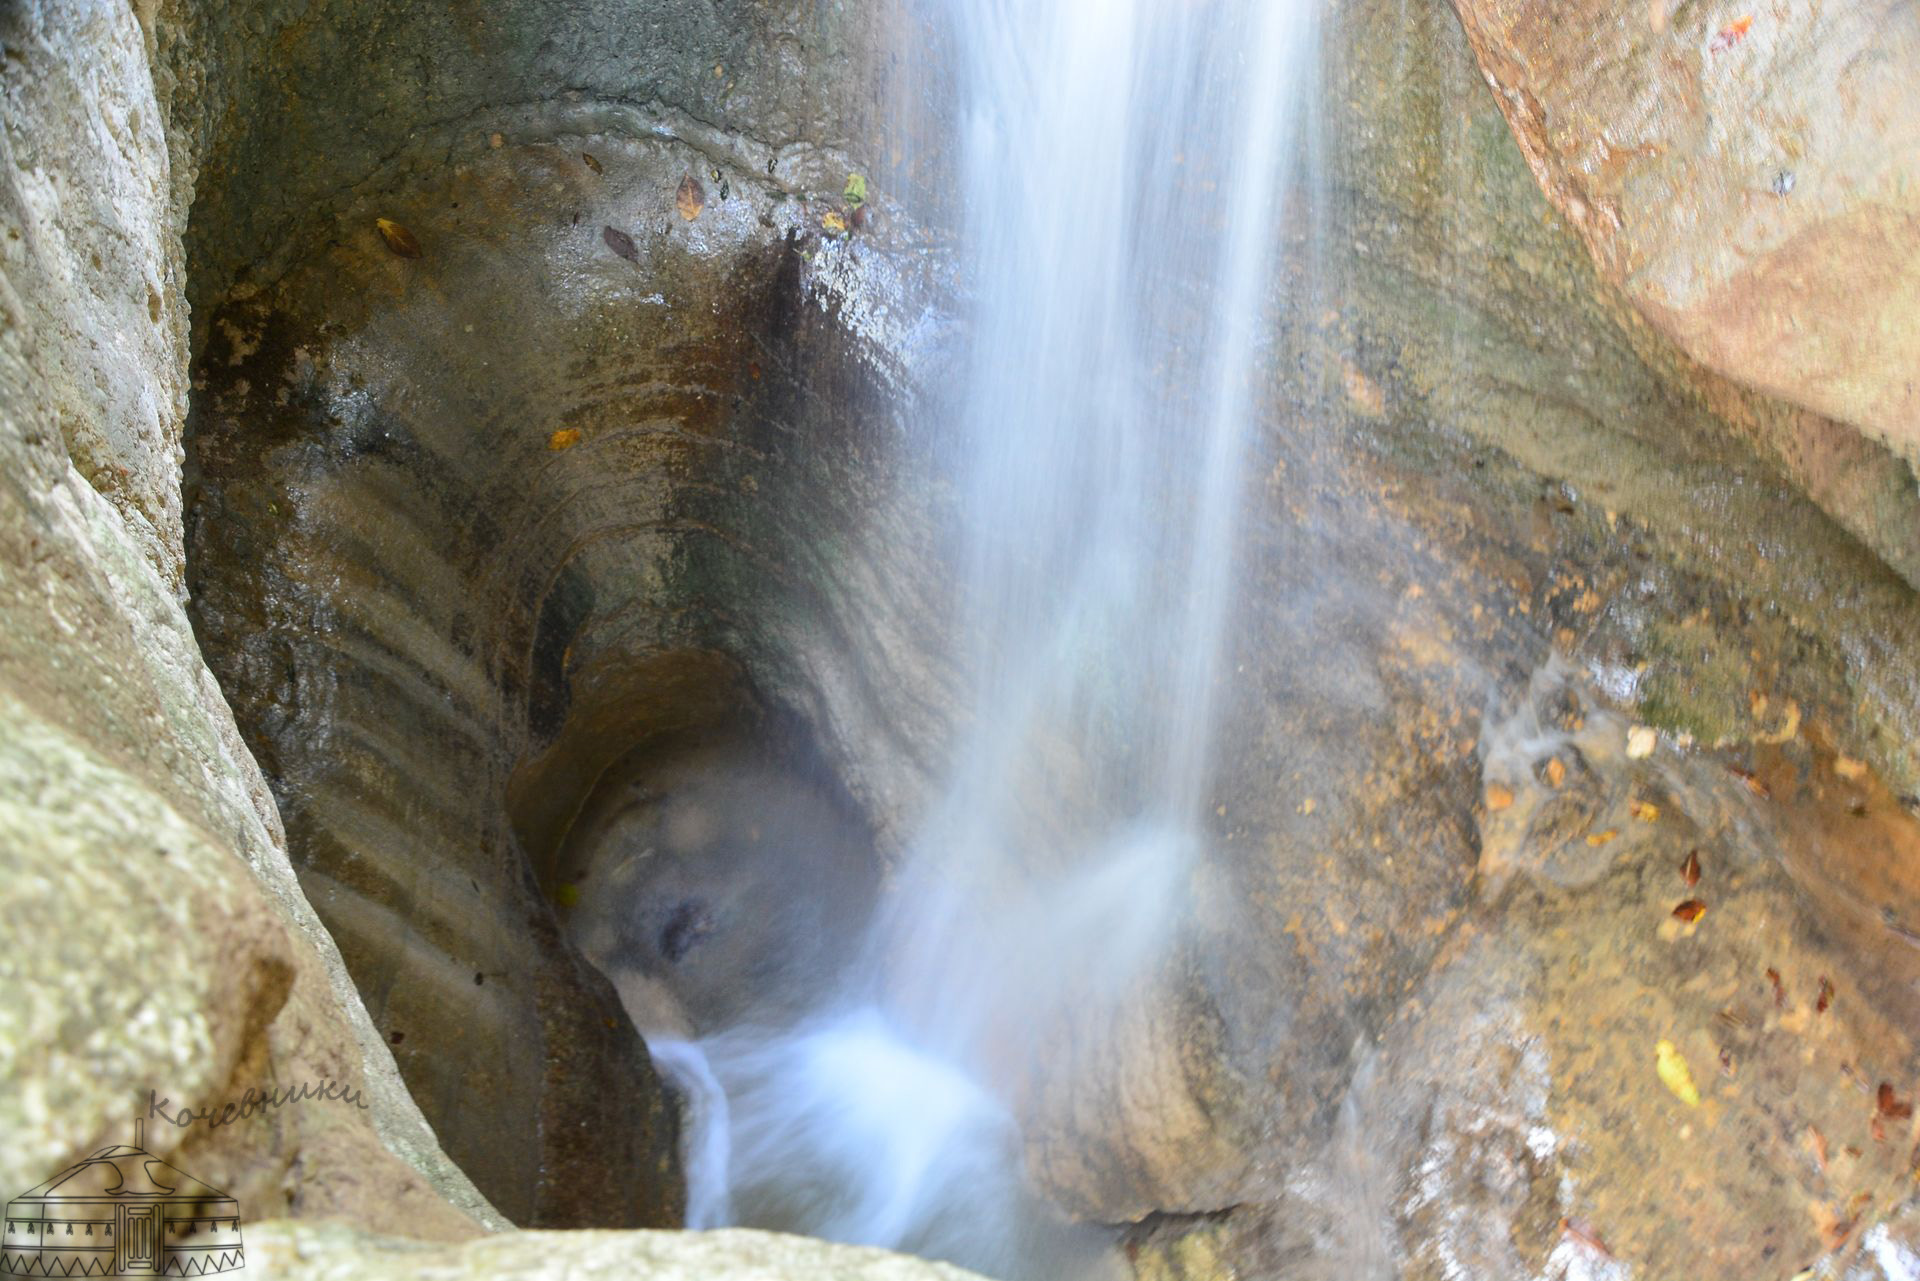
(565, 438)
(833, 223)
(1779, 988)
(1583, 1233)
(1601, 838)
(1640, 742)
(1819, 1142)
(1731, 34)
(1690, 870)
(1690, 911)
(588, 158)
(1674, 1073)
(1826, 995)
(621, 243)
(1891, 1105)
(1556, 772)
(691, 198)
(1645, 811)
(1752, 782)
(398, 238)
(1499, 797)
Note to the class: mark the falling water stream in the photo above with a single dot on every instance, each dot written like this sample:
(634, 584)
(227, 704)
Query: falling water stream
(1122, 165)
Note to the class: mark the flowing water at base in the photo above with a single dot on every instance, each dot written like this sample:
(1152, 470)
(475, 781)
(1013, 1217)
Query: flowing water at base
(1122, 164)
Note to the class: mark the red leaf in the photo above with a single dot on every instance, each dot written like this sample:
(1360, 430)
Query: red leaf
(1826, 995)
(1690, 911)
(1779, 989)
(1891, 1105)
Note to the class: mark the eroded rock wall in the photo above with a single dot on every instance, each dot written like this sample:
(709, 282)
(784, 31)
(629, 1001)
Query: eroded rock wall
(159, 940)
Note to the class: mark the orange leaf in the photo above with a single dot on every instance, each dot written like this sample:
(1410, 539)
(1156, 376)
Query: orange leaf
(1690, 911)
(1499, 797)
(1731, 34)
(1891, 1105)
(1645, 811)
(1601, 838)
(1556, 772)
(565, 438)
(1690, 870)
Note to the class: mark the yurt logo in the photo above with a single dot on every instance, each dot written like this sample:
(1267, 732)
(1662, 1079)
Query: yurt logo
(122, 1212)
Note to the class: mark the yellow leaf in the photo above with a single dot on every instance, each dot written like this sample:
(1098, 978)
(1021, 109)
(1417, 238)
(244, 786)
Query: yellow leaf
(1646, 811)
(691, 198)
(398, 238)
(565, 438)
(1674, 1073)
(1601, 838)
(834, 223)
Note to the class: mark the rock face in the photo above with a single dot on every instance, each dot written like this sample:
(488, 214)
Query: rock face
(586, 477)
(309, 1252)
(163, 944)
(1750, 177)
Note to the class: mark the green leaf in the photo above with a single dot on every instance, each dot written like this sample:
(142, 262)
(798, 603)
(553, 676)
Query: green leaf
(856, 192)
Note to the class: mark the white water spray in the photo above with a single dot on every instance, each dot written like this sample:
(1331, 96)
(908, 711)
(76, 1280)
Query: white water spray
(1123, 166)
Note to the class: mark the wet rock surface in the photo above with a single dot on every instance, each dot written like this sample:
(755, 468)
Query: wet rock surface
(466, 530)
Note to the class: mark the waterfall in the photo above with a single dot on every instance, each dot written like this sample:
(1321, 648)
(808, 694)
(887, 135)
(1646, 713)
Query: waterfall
(1122, 164)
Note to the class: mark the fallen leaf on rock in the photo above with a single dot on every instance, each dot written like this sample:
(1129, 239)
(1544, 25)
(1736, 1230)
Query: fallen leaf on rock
(1690, 870)
(1583, 1232)
(398, 238)
(691, 198)
(1690, 911)
(1779, 988)
(588, 158)
(1731, 34)
(1640, 742)
(855, 193)
(1601, 838)
(1890, 1104)
(1848, 768)
(1499, 797)
(1751, 781)
(1818, 1142)
(565, 438)
(833, 224)
(1674, 1073)
(621, 243)
(1826, 995)
(1556, 772)
(1645, 811)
